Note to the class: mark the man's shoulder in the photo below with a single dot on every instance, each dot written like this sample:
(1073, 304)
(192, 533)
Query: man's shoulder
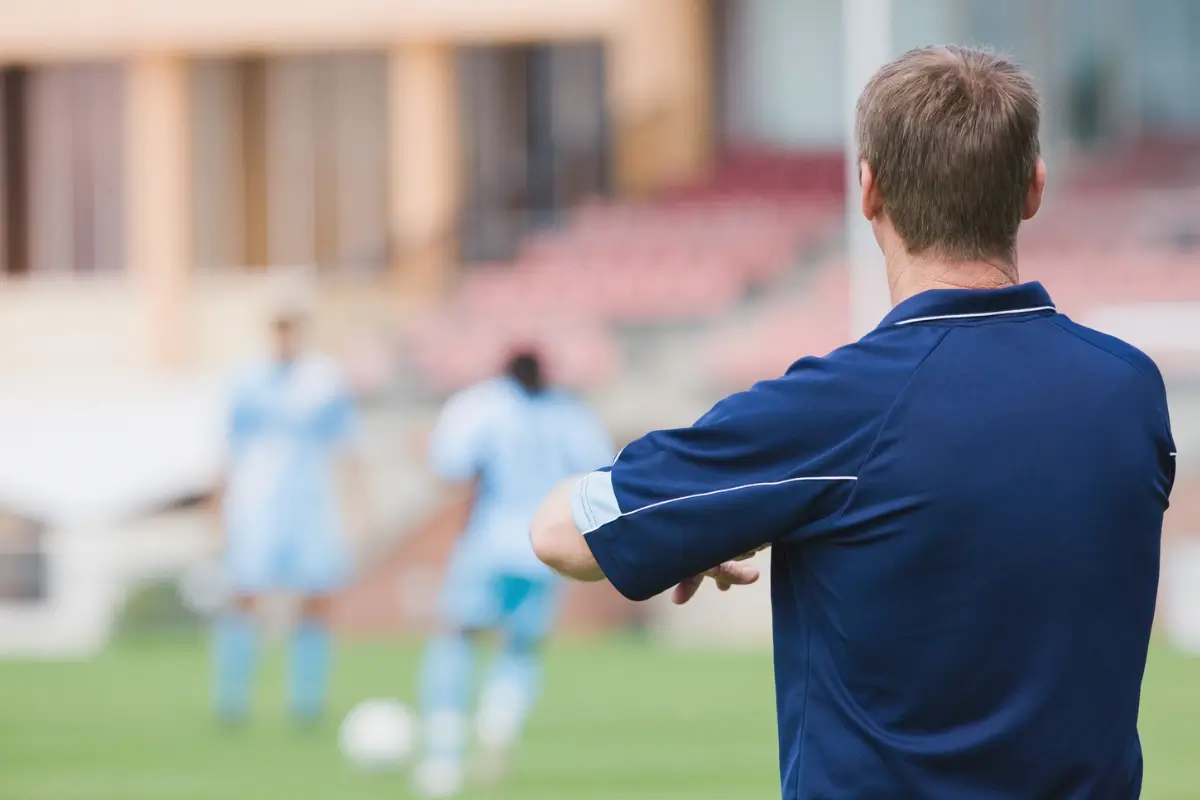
(480, 398)
(1111, 350)
(876, 366)
(850, 387)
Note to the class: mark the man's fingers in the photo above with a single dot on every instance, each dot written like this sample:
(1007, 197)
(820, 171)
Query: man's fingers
(686, 590)
(734, 573)
(731, 573)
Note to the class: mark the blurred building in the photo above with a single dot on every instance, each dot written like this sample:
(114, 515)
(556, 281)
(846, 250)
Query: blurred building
(162, 141)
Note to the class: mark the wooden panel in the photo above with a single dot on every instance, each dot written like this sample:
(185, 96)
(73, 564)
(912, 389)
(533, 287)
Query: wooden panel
(254, 160)
(52, 188)
(99, 102)
(216, 164)
(360, 142)
(291, 161)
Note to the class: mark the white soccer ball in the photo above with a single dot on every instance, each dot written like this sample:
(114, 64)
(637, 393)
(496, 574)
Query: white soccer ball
(378, 735)
(203, 588)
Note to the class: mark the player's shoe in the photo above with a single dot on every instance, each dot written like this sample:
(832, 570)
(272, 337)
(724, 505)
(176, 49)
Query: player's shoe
(497, 730)
(436, 778)
(490, 766)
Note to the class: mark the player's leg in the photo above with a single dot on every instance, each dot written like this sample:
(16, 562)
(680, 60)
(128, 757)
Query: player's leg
(235, 646)
(447, 674)
(317, 564)
(513, 679)
(310, 659)
(249, 562)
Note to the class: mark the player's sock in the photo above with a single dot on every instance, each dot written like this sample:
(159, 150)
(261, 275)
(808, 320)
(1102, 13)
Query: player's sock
(504, 704)
(446, 676)
(310, 655)
(234, 650)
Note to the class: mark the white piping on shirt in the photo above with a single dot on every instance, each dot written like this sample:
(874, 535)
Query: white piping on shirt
(736, 488)
(977, 314)
(723, 491)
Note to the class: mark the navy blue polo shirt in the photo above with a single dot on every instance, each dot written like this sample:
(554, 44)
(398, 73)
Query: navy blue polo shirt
(965, 510)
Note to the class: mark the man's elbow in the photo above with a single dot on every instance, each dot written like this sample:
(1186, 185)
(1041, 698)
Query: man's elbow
(541, 536)
(550, 546)
(558, 544)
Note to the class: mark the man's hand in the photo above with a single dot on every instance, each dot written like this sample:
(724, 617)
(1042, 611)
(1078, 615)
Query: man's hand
(731, 573)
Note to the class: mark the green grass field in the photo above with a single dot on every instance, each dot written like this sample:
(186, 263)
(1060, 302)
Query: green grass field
(620, 720)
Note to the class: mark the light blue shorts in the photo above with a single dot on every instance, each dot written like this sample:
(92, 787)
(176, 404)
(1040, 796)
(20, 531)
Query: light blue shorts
(481, 595)
(306, 563)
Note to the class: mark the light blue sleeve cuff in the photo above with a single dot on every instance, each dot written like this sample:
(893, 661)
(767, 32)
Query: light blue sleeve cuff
(593, 502)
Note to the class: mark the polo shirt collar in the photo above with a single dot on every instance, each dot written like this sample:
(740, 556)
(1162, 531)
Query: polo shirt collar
(967, 304)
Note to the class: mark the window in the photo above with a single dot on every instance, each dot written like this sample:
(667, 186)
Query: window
(62, 169)
(535, 139)
(288, 162)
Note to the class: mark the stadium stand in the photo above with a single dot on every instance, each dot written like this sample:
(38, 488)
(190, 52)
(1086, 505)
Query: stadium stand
(1121, 230)
(690, 255)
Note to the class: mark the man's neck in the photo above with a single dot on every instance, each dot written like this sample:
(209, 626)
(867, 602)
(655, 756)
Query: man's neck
(910, 275)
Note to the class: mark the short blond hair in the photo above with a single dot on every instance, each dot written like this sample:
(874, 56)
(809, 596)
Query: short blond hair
(951, 137)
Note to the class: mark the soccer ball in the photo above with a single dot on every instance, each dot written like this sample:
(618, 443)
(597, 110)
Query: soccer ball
(378, 735)
(203, 588)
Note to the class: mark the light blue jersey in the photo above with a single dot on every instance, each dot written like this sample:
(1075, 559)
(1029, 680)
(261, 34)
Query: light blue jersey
(517, 447)
(288, 424)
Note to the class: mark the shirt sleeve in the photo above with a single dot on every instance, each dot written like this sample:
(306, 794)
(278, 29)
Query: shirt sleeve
(678, 502)
(337, 422)
(456, 446)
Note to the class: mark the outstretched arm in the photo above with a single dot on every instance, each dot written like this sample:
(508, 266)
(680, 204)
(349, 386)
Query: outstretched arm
(680, 505)
(559, 543)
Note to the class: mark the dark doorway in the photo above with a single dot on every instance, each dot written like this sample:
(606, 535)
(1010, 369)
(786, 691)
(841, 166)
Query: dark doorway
(535, 139)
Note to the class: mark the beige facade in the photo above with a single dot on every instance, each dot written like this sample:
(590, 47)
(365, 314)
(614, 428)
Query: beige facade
(173, 206)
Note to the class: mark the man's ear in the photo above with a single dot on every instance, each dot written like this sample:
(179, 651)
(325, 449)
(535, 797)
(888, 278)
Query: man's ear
(1037, 186)
(872, 201)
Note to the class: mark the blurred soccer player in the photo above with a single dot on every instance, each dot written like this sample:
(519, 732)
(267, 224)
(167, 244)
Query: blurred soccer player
(290, 423)
(508, 441)
(964, 507)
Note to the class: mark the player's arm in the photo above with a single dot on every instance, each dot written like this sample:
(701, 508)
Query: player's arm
(239, 428)
(343, 427)
(684, 503)
(560, 544)
(456, 449)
